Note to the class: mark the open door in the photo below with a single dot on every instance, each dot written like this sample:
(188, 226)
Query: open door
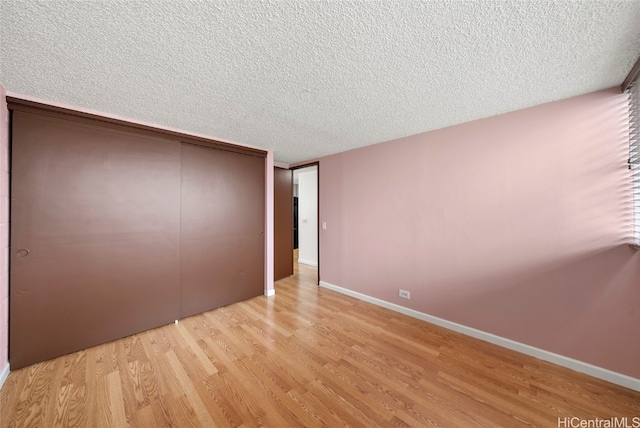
(283, 223)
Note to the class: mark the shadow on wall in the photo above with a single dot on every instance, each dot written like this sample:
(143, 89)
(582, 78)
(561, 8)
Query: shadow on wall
(567, 284)
(515, 225)
(571, 307)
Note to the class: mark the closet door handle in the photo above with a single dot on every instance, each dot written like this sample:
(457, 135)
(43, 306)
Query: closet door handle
(22, 252)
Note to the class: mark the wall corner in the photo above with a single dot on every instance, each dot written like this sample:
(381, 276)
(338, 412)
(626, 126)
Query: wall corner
(269, 226)
(4, 236)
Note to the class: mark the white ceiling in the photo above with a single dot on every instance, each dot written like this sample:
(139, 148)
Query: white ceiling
(307, 79)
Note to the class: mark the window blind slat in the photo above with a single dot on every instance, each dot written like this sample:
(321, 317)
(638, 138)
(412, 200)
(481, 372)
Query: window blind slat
(634, 156)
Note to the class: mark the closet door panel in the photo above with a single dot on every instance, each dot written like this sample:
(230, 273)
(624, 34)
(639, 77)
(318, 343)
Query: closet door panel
(222, 228)
(95, 244)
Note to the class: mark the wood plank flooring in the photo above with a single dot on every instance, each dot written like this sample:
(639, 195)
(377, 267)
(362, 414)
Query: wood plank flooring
(306, 357)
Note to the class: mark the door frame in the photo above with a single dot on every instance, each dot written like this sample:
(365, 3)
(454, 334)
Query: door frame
(317, 165)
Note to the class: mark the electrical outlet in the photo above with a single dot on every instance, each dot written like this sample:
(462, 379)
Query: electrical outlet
(404, 294)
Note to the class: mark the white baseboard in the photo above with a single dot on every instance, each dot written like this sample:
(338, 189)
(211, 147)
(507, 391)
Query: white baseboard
(270, 293)
(308, 262)
(4, 374)
(579, 366)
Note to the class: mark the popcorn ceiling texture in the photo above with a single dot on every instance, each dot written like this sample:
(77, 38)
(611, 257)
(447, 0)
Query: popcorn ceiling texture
(307, 79)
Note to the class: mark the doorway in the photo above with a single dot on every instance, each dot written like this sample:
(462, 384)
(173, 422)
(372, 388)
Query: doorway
(305, 216)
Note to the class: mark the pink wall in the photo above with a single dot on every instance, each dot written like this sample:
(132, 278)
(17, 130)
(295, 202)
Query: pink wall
(268, 225)
(515, 225)
(4, 235)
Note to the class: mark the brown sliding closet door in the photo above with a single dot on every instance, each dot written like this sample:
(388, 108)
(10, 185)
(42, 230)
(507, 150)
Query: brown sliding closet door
(222, 228)
(95, 244)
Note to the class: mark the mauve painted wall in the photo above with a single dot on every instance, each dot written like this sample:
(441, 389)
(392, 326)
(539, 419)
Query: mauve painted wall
(515, 225)
(4, 232)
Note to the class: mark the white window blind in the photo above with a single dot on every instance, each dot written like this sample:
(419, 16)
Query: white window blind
(634, 156)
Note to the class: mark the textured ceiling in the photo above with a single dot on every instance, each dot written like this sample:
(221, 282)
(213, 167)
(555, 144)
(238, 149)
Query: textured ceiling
(307, 79)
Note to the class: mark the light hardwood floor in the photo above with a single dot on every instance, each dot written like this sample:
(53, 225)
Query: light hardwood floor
(305, 357)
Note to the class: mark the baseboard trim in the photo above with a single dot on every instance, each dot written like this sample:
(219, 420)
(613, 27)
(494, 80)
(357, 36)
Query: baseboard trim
(579, 366)
(4, 374)
(307, 262)
(270, 293)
